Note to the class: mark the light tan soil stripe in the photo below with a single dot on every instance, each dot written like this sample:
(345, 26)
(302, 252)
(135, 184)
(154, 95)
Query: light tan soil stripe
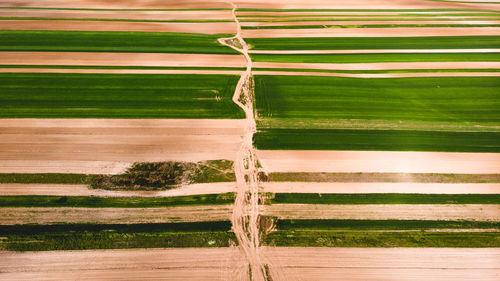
(82, 25)
(118, 71)
(132, 264)
(109, 146)
(382, 75)
(135, 15)
(379, 65)
(477, 212)
(379, 161)
(13, 189)
(372, 32)
(373, 51)
(346, 13)
(361, 22)
(35, 215)
(380, 187)
(121, 59)
(404, 264)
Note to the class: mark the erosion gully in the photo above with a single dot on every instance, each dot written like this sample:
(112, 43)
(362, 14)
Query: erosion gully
(245, 218)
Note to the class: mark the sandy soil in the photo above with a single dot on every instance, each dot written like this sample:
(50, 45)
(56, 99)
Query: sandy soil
(205, 27)
(368, 13)
(372, 32)
(121, 59)
(111, 145)
(379, 162)
(383, 264)
(118, 71)
(383, 75)
(297, 263)
(379, 65)
(476, 212)
(340, 22)
(135, 15)
(373, 51)
(378, 187)
(83, 190)
(42, 215)
(201, 264)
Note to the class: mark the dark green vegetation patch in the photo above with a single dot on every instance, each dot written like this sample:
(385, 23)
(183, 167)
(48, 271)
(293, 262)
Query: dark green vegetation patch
(39, 95)
(384, 198)
(346, 43)
(111, 41)
(115, 236)
(307, 100)
(114, 202)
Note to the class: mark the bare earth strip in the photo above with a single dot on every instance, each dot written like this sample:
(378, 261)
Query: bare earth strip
(35, 215)
(135, 15)
(110, 145)
(297, 263)
(210, 264)
(402, 264)
(82, 25)
(372, 32)
(120, 71)
(378, 187)
(379, 65)
(476, 212)
(373, 51)
(379, 162)
(13, 189)
(347, 13)
(120, 59)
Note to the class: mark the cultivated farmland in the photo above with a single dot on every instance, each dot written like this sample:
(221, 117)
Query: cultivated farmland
(249, 140)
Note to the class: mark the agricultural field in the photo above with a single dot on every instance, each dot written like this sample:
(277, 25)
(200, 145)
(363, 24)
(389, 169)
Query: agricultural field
(249, 140)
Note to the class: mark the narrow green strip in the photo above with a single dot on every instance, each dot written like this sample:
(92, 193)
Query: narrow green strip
(379, 71)
(384, 198)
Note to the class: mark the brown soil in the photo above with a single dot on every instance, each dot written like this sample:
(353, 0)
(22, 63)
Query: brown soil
(379, 65)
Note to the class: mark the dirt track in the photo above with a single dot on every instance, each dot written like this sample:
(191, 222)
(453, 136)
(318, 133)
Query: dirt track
(379, 187)
(83, 190)
(298, 263)
(43, 215)
(379, 162)
(477, 212)
(111, 145)
(379, 65)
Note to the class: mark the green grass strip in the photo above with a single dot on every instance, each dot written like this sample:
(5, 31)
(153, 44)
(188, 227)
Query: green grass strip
(383, 177)
(384, 198)
(115, 236)
(372, 58)
(380, 140)
(44, 178)
(63, 95)
(383, 239)
(368, 26)
(333, 224)
(112, 41)
(355, 43)
(101, 19)
(115, 202)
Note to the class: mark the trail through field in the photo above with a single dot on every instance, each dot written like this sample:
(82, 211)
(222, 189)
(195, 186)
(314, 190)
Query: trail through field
(245, 218)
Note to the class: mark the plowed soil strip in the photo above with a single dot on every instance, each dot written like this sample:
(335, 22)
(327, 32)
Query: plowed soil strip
(96, 146)
(379, 162)
(322, 264)
(209, 264)
(12, 216)
(380, 187)
(371, 32)
(479, 212)
(379, 65)
(84, 190)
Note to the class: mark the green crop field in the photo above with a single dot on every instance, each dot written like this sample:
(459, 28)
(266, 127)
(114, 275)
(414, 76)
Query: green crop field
(110, 41)
(38, 95)
(355, 43)
(382, 57)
